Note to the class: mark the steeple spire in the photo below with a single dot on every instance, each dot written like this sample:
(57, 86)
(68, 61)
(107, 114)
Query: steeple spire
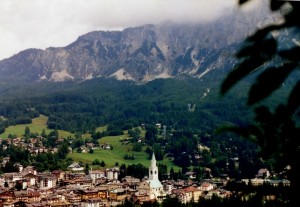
(153, 156)
(153, 160)
(153, 169)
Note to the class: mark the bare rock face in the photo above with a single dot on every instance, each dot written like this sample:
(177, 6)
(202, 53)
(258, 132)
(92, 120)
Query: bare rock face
(140, 54)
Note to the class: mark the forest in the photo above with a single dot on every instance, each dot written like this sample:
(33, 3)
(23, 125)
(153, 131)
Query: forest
(192, 108)
(81, 107)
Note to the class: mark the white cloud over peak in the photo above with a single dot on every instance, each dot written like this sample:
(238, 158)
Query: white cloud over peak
(43, 23)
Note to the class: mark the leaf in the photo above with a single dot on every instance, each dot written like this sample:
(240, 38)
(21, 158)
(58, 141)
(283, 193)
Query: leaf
(250, 132)
(276, 5)
(292, 17)
(294, 100)
(242, 1)
(263, 114)
(292, 54)
(268, 81)
(245, 68)
(266, 47)
(262, 33)
(281, 114)
(246, 51)
(244, 132)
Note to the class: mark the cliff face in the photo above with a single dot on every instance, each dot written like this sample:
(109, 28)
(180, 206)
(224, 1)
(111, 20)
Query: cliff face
(139, 54)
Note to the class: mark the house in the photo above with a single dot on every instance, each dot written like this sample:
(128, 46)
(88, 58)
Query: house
(96, 174)
(30, 179)
(27, 196)
(7, 196)
(18, 166)
(212, 193)
(73, 198)
(88, 194)
(130, 182)
(139, 197)
(168, 187)
(30, 169)
(206, 186)
(105, 146)
(102, 192)
(36, 204)
(5, 159)
(90, 145)
(59, 174)
(130, 179)
(118, 194)
(75, 167)
(203, 147)
(190, 175)
(263, 173)
(257, 181)
(11, 203)
(58, 204)
(12, 178)
(55, 199)
(92, 202)
(278, 182)
(192, 194)
(33, 196)
(188, 194)
(74, 175)
(112, 174)
(46, 181)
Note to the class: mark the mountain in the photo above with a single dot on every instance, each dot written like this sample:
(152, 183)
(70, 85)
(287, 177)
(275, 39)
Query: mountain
(140, 53)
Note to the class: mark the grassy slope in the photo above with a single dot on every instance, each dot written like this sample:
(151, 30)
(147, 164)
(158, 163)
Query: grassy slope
(37, 126)
(110, 157)
(101, 129)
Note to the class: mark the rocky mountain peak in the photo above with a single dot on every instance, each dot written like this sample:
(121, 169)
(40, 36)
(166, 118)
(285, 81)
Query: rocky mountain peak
(139, 53)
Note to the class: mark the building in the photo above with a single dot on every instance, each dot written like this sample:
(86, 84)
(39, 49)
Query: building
(206, 186)
(113, 173)
(75, 167)
(92, 202)
(46, 181)
(152, 187)
(96, 174)
(192, 194)
(263, 173)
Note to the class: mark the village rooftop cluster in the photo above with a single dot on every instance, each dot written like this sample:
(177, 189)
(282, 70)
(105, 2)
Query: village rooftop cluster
(103, 188)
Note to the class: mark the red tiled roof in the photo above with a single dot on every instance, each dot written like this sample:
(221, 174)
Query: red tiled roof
(190, 189)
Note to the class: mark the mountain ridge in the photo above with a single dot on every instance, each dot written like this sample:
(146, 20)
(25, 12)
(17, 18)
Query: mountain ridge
(139, 54)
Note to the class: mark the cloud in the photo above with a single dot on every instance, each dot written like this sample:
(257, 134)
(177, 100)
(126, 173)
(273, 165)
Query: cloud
(43, 23)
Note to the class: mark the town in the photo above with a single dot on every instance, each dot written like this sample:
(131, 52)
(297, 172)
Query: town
(95, 187)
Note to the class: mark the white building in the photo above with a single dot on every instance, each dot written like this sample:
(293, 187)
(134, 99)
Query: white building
(113, 173)
(263, 173)
(47, 181)
(152, 186)
(75, 167)
(96, 174)
(92, 202)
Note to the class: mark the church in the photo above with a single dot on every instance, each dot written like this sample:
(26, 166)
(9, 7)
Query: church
(152, 186)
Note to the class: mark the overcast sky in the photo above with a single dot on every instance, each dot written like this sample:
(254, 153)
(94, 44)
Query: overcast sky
(43, 23)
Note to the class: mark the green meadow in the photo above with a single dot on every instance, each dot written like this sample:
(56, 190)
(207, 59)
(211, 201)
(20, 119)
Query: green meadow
(37, 126)
(110, 157)
(116, 155)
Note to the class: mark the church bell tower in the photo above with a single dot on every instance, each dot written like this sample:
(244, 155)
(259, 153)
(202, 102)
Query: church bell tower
(153, 169)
